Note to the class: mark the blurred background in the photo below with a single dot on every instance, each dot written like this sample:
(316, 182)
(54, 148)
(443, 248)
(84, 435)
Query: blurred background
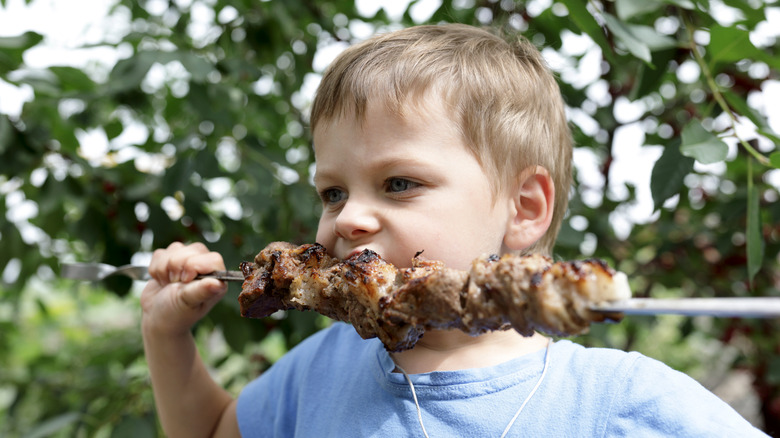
(127, 125)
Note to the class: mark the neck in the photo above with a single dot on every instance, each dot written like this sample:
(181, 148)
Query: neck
(450, 350)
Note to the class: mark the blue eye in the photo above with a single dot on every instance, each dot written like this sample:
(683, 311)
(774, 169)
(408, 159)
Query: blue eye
(400, 185)
(332, 196)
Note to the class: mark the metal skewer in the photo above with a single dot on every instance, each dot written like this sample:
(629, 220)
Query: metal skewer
(99, 271)
(747, 307)
(753, 307)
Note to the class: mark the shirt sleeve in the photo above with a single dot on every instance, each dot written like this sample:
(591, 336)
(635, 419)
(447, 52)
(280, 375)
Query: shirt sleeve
(297, 394)
(264, 400)
(655, 400)
(267, 406)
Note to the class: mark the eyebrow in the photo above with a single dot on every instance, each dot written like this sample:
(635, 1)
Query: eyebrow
(317, 175)
(321, 174)
(385, 163)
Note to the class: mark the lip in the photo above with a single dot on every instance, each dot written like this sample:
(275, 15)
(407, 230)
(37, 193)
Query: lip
(359, 250)
(354, 252)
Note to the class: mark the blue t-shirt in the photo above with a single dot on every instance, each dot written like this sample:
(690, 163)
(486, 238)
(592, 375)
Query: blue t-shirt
(336, 384)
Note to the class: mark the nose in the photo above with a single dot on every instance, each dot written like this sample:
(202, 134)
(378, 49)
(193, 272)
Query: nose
(356, 219)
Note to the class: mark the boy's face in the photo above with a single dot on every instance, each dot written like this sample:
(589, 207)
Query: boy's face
(402, 186)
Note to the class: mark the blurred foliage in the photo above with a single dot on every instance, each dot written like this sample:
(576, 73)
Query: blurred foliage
(203, 122)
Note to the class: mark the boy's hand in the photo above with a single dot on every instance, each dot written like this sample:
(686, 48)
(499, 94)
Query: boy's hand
(171, 301)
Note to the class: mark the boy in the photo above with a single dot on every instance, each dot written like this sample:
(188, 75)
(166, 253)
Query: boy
(445, 139)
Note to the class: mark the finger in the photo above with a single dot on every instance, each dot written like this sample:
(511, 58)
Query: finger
(150, 290)
(158, 266)
(202, 264)
(179, 258)
(202, 293)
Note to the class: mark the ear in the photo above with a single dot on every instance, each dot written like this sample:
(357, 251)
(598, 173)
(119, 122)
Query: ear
(532, 201)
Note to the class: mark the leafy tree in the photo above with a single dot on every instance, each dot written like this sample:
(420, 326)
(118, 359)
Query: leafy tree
(205, 122)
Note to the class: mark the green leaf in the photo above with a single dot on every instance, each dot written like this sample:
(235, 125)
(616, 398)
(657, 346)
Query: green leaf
(237, 333)
(113, 129)
(649, 36)
(773, 369)
(753, 13)
(768, 133)
(198, 67)
(626, 36)
(6, 133)
(579, 14)
(650, 76)
(626, 9)
(755, 241)
(774, 160)
(128, 73)
(569, 237)
(731, 44)
(12, 49)
(43, 81)
(701, 144)
(21, 42)
(131, 427)
(53, 425)
(685, 4)
(728, 44)
(73, 79)
(668, 174)
(738, 103)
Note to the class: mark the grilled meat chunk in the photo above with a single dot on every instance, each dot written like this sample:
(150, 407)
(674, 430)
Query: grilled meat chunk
(526, 293)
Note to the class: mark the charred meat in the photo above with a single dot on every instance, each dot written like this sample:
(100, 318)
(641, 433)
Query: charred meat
(526, 293)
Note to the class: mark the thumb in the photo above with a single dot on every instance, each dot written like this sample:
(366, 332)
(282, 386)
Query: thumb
(202, 293)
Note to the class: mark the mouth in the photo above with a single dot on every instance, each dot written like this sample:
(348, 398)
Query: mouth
(357, 251)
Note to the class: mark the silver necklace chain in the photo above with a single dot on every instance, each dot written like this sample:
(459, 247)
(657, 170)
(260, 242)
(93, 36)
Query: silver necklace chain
(517, 414)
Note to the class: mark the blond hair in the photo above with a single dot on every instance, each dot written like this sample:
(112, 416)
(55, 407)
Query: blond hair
(501, 94)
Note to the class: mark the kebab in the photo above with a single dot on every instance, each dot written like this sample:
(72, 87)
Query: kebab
(524, 292)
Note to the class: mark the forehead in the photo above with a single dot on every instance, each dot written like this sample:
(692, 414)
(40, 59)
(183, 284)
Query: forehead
(429, 119)
(416, 132)
(411, 113)
(387, 131)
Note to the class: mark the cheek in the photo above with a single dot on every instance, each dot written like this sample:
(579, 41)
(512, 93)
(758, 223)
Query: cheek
(483, 229)
(446, 241)
(324, 233)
